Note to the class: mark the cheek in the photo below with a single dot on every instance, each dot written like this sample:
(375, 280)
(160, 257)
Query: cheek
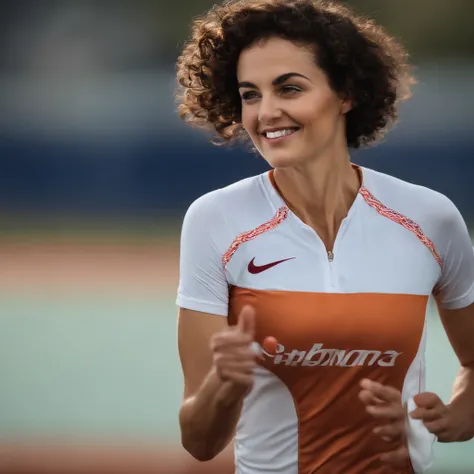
(250, 121)
(320, 113)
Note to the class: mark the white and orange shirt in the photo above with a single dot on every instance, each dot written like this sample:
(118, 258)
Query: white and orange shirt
(359, 312)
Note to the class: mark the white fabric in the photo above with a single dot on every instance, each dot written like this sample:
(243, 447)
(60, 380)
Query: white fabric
(213, 221)
(373, 254)
(420, 441)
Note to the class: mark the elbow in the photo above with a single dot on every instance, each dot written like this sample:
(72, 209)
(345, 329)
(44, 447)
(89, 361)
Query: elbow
(197, 449)
(195, 442)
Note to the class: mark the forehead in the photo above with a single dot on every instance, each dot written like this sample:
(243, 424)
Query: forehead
(272, 57)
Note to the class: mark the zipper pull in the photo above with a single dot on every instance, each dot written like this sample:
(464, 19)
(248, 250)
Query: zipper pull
(330, 256)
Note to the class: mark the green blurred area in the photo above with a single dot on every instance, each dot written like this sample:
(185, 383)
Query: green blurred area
(428, 28)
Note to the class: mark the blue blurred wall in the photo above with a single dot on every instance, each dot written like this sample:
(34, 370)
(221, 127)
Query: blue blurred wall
(113, 145)
(164, 175)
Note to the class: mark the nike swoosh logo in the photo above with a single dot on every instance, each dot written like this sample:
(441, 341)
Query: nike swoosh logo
(254, 269)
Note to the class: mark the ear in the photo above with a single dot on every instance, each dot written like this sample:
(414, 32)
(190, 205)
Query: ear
(346, 106)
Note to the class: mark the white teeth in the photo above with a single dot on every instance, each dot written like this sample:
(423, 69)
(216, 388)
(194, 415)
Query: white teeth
(279, 133)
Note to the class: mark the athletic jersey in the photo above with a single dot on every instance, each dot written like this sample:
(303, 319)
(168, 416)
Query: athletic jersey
(356, 312)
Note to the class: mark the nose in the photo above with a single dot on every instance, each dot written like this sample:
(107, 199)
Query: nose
(269, 110)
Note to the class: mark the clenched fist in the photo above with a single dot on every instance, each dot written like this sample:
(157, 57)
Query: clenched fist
(435, 415)
(385, 404)
(233, 354)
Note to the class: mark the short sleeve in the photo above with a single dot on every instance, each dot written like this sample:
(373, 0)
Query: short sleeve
(455, 288)
(202, 282)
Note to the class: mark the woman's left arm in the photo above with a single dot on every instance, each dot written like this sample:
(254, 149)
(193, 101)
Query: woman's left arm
(449, 422)
(454, 421)
(454, 294)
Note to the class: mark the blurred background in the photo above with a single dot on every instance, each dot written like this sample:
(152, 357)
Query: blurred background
(96, 172)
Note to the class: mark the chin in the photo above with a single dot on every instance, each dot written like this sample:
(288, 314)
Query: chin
(281, 160)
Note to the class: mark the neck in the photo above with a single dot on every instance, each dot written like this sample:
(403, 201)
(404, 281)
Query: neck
(320, 193)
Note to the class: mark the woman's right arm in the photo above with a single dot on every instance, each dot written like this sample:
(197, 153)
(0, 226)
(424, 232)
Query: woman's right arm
(217, 362)
(216, 359)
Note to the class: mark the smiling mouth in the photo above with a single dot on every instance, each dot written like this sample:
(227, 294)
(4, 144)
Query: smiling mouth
(279, 135)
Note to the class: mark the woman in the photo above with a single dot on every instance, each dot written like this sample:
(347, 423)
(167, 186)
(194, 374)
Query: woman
(335, 262)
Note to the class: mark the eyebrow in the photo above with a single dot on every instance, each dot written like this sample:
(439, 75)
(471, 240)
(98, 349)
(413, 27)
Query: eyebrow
(276, 82)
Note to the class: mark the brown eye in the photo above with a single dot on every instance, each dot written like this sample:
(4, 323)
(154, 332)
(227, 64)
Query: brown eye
(290, 90)
(246, 96)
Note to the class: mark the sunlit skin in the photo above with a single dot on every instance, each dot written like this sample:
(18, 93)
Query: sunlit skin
(282, 87)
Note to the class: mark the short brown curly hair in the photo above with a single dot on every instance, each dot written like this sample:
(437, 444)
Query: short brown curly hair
(362, 62)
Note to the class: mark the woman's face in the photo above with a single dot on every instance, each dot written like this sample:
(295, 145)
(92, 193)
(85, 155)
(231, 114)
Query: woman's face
(288, 107)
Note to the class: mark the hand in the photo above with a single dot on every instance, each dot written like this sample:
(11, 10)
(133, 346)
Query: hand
(435, 415)
(385, 404)
(233, 355)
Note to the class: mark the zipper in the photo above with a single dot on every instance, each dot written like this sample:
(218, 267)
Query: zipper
(332, 270)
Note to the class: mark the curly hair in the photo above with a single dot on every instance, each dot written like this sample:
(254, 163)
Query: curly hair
(361, 61)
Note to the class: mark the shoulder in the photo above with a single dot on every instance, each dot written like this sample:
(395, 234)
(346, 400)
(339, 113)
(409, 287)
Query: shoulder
(228, 211)
(418, 203)
(233, 200)
(228, 198)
